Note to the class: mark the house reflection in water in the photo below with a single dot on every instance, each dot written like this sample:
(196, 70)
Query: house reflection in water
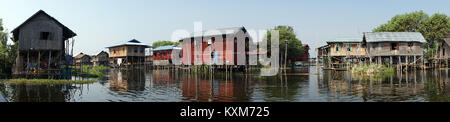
(127, 80)
(40, 93)
(411, 86)
(202, 90)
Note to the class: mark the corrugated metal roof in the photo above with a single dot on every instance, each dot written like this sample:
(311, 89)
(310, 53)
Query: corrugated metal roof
(167, 47)
(219, 31)
(393, 36)
(80, 55)
(348, 39)
(132, 42)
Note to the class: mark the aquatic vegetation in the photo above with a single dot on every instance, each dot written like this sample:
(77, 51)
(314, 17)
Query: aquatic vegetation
(372, 71)
(92, 71)
(46, 81)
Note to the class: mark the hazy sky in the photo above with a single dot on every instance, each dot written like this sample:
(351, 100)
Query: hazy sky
(102, 23)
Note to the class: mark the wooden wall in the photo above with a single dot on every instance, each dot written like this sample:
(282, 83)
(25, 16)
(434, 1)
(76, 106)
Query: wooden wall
(384, 49)
(30, 35)
(123, 51)
(444, 51)
(357, 49)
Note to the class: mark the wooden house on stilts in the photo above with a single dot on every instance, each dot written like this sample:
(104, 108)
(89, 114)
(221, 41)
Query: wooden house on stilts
(130, 53)
(342, 52)
(403, 49)
(43, 47)
(443, 54)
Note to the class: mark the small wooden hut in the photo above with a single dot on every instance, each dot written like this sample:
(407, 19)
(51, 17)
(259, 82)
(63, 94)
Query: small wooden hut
(101, 59)
(42, 46)
(444, 52)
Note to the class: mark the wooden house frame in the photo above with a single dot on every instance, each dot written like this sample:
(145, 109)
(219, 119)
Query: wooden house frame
(42, 46)
(401, 48)
(129, 53)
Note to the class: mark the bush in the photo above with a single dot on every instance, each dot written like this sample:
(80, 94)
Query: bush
(373, 70)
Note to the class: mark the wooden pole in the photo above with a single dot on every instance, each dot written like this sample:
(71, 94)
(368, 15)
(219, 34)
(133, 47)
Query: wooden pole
(407, 62)
(39, 62)
(285, 57)
(390, 61)
(400, 62)
(49, 59)
(28, 60)
(48, 65)
(415, 61)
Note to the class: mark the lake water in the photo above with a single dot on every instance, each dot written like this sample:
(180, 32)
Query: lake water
(305, 86)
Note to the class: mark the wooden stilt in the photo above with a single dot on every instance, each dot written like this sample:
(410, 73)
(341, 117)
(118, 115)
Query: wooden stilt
(48, 65)
(39, 62)
(28, 61)
(407, 62)
(390, 61)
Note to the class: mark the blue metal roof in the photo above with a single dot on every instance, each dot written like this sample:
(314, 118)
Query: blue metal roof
(167, 47)
(132, 42)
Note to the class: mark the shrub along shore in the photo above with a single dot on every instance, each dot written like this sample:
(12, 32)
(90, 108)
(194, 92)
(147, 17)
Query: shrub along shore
(92, 71)
(373, 70)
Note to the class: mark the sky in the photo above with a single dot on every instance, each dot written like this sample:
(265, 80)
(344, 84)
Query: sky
(102, 23)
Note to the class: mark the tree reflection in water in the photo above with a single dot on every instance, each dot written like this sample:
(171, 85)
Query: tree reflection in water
(175, 86)
(410, 86)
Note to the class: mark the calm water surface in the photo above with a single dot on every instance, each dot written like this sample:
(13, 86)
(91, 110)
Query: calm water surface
(297, 86)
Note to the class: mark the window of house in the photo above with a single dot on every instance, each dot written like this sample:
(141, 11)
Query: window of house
(142, 50)
(135, 49)
(114, 50)
(359, 46)
(394, 46)
(338, 47)
(349, 48)
(443, 51)
(410, 45)
(209, 41)
(44, 36)
(235, 40)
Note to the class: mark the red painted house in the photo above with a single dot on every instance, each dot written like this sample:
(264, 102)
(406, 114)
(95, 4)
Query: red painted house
(163, 54)
(305, 55)
(217, 47)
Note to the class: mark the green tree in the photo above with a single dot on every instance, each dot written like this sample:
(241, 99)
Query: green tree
(7, 53)
(436, 27)
(294, 45)
(163, 43)
(409, 22)
(433, 28)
